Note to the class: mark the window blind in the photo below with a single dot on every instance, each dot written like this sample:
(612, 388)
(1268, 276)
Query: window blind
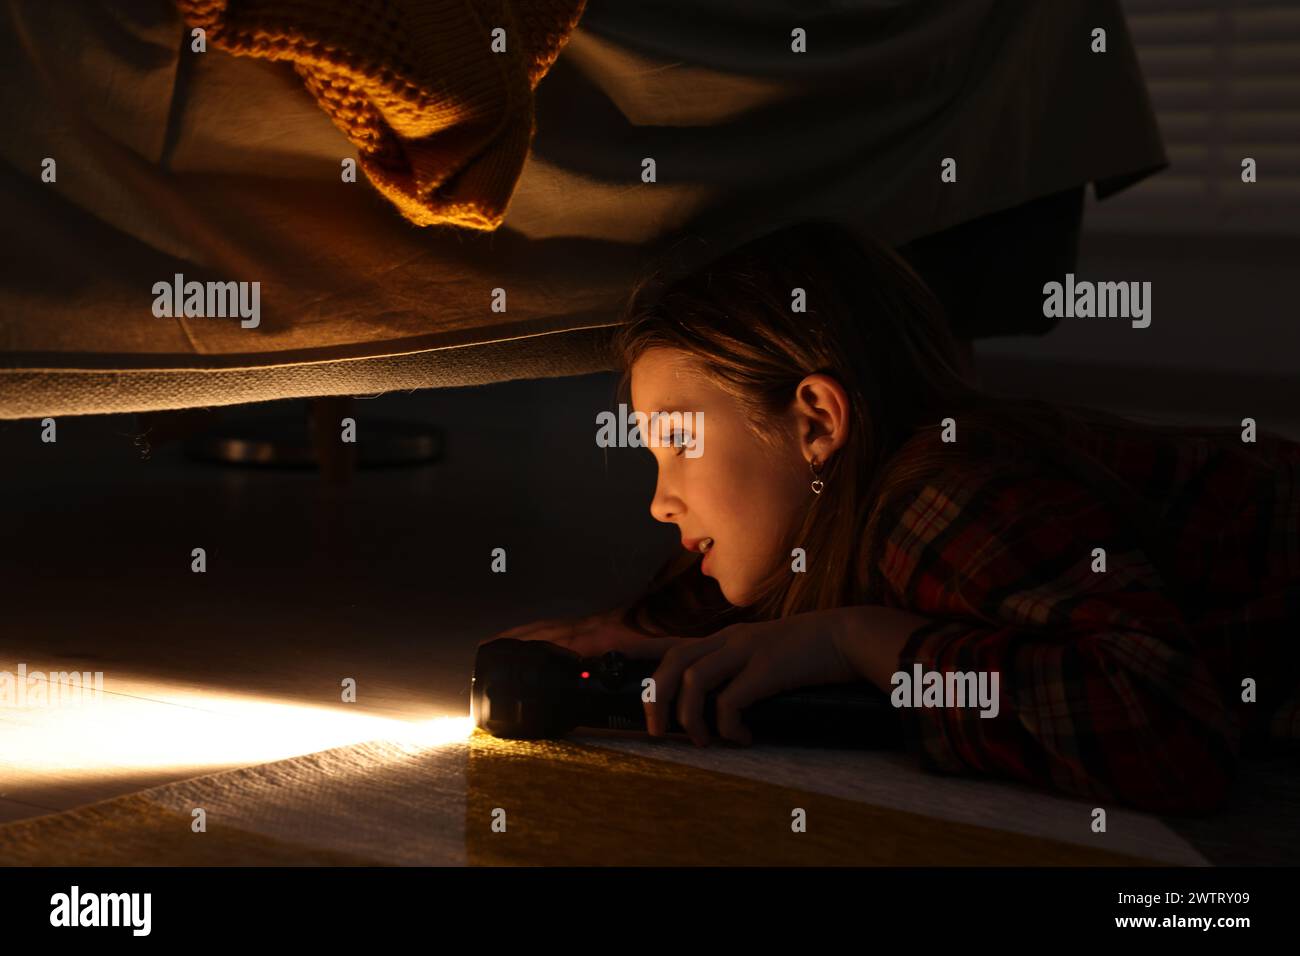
(1224, 79)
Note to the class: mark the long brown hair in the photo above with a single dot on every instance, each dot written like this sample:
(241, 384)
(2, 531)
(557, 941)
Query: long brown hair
(872, 324)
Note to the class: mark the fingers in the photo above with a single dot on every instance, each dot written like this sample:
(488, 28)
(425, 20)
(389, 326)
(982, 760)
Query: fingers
(649, 648)
(557, 630)
(590, 636)
(692, 668)
(631, 645)
(668, 678)
(756, 681)
(520, 632)
(705, 674)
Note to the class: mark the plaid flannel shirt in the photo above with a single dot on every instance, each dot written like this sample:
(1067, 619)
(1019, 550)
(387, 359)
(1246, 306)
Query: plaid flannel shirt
(1109, 688)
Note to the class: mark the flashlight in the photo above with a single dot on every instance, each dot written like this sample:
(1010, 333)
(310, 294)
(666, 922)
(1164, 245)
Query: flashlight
(535, 689)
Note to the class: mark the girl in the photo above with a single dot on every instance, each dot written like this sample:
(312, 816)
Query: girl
(854, 506)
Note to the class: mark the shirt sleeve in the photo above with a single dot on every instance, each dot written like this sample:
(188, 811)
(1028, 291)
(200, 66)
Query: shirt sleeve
(1101, 690)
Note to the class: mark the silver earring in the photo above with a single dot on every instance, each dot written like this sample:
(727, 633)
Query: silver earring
(817, 483)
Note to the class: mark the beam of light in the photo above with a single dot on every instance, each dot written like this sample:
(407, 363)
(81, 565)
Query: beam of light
(179, 728)
(439, 731)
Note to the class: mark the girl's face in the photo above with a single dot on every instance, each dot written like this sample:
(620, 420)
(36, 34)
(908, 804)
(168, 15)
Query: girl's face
(732, 496)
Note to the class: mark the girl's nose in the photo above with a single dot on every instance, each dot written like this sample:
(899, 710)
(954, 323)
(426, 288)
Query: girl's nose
(662, 506)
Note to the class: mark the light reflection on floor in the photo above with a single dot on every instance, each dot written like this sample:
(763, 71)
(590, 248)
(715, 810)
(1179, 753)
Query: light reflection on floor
(159, 726)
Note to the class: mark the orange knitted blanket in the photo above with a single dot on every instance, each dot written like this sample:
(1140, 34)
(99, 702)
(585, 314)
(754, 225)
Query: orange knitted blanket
(436, 95)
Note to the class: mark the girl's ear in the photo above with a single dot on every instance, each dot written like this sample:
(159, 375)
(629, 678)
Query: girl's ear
(822, 411)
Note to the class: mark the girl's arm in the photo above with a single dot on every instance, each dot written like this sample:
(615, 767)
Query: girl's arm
(872, 639)
(1102, 691)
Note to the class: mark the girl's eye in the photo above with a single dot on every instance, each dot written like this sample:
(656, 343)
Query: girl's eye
(678, 441)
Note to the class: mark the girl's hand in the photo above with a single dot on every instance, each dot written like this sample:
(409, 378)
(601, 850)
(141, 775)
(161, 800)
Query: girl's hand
(759, 660)
(593, 635)
(835, 646)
